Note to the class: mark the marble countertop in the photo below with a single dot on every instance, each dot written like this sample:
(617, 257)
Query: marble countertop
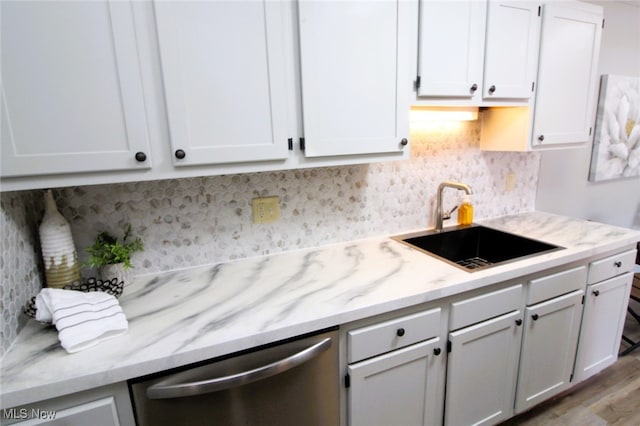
(181, 317)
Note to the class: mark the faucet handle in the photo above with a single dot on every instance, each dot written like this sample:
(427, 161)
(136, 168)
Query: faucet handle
(447, 215)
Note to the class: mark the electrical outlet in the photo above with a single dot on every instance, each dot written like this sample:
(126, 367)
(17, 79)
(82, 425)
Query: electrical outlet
(510, 182)
(265, 209)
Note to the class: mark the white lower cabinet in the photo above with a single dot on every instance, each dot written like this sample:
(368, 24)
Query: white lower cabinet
(396, 388)
(482, 357)
(548, 349)
(505, 357)
(603, 320)
(395, 371)
(481, 371)
(105, 406)
(605, 307)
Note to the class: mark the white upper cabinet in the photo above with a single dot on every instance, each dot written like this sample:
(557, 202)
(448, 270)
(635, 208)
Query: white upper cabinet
(356, 76)
(94, 88)
(71, 91)
(474, 52)
(567, 73)
(511, 50)
(561, 115)
(225, 81)
(451, 49)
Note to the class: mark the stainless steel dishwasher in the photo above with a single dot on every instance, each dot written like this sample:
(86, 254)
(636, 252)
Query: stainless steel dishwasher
(294, 382)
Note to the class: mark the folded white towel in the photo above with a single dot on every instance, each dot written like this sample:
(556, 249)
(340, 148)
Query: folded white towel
(82, 319)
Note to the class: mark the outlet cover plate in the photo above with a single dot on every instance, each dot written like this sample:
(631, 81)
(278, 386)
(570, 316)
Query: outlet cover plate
(265, 209)
(510, 182)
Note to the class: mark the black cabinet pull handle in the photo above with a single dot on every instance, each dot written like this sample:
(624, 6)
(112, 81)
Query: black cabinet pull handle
(437, 351)
(492, 89)
(518, 321)
(541, 138)
(617, 264)
(596, 293)
(534, 317)
(474, 87)
(400, 332)
(141, 156)
(180, 154)
(404, 142)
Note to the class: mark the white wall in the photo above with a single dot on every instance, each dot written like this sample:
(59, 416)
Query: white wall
(563, 185)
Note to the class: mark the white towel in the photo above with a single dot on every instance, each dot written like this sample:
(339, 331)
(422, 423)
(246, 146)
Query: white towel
(82, 319)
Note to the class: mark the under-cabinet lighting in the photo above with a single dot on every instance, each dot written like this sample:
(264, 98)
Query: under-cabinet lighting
(431, 114)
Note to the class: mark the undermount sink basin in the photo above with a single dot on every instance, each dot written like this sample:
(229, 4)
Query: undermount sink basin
(475, 247)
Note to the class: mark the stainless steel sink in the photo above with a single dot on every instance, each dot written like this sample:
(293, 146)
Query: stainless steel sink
(475, 247)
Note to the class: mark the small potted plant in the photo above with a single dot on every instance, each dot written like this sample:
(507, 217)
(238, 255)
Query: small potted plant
(113, 257)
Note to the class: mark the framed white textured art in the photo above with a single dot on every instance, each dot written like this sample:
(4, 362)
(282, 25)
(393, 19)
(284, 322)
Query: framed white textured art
(616, 146)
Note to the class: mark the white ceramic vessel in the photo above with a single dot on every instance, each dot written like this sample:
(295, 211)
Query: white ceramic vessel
(58, 250)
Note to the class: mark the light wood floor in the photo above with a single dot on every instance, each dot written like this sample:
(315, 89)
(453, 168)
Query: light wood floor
(611, 397)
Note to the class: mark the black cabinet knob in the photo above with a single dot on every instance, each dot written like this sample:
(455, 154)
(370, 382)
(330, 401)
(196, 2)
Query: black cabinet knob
(518, 321)
(437, 351)
(404, 142)
(617, 264)
(541, 138)
(492, 89)
(180, 154)
(596, 293)
(473, 88)
(400, 332)
(534, 317)
(141, 156)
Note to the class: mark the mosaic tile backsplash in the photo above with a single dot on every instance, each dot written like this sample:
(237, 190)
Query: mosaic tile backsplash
(196, 221)
(20, 263)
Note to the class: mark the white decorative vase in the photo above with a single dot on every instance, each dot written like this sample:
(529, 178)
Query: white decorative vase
(59, 253)
(116, 270)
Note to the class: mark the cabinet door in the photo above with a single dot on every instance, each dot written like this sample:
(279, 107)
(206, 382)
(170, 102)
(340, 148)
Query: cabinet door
(602, 323)
(105, 406)
(101, 412)
(223, 66)
(511, 49)
(451, 48)
(403, 387)
(567, 71)
(481, 371)
(548, 349)
(356, 78)
(71, 92)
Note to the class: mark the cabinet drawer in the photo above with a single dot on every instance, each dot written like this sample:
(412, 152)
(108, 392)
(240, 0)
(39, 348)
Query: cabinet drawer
(564, 282)
(393, 334)
(611, 266)
(485, 306)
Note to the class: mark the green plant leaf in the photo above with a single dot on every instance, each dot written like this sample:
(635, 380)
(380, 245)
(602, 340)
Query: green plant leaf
(108, 250)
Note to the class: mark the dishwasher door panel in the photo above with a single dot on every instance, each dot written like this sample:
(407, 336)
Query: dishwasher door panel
(257, 388)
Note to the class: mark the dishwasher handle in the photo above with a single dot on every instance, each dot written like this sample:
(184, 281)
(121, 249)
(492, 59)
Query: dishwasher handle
(162, 391)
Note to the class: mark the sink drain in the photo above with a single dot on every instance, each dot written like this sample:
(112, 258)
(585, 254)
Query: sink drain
(473, 263)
